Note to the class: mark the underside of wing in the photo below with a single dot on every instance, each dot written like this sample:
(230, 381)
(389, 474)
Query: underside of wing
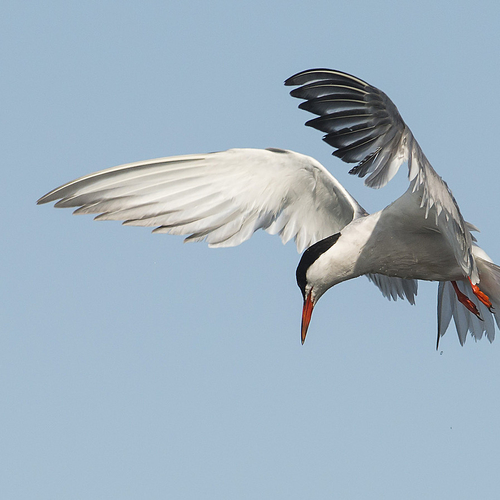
(393, 288)
(218, 197)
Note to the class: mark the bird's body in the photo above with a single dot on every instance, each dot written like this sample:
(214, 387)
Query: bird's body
(402, 243)
(224, 197)
(379, 244)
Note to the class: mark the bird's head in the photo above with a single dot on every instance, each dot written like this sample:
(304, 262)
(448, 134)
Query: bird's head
(312, 280)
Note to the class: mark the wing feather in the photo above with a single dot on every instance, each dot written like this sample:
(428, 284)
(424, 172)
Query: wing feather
(222, 198)
(392, 287)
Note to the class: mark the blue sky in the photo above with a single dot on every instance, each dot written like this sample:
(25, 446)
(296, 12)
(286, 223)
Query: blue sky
(135, 366)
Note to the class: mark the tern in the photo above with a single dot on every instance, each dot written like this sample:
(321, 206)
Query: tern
(224, 197)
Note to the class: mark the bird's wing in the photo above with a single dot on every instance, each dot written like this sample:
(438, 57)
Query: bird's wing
(365, 127)
(218, 197)
(393, 287)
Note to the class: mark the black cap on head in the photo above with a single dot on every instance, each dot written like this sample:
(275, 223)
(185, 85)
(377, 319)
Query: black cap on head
(310, 256)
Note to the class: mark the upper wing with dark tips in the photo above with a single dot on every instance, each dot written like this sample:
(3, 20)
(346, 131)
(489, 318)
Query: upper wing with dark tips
(359, 120)
(365, 127)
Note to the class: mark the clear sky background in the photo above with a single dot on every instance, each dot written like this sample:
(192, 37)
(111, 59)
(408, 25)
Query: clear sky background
(134, 366)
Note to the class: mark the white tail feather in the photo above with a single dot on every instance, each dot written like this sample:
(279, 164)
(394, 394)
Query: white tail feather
(465, 321)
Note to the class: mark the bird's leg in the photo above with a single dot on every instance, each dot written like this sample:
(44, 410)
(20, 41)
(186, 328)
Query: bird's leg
(481, 296)
(463, 299)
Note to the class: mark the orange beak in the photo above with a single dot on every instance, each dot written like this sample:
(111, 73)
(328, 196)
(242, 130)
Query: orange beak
(306, 316)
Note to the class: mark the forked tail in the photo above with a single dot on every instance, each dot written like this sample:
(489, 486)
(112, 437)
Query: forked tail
(465, 321)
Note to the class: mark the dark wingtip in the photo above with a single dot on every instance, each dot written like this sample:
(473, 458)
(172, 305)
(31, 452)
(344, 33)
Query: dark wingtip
(298, 78)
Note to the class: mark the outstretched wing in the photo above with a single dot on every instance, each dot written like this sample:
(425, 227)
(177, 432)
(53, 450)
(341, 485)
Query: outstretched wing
(365, 127)
(218, 197)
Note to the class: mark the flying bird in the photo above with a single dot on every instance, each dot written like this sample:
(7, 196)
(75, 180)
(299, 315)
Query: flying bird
(224, 197)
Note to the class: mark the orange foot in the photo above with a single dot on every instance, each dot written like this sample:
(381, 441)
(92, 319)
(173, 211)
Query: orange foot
(463, 299)
(481, 296)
